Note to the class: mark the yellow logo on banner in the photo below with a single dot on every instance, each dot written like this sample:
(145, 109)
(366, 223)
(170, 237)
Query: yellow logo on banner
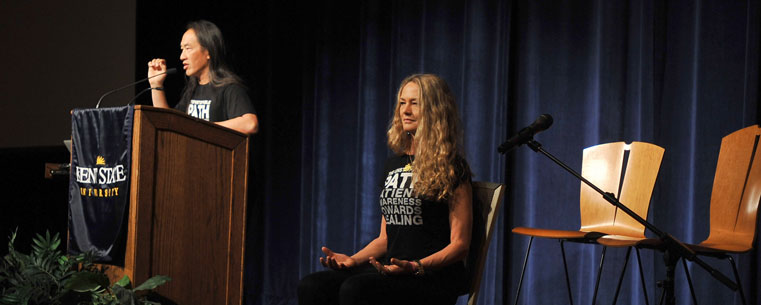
(104, 176)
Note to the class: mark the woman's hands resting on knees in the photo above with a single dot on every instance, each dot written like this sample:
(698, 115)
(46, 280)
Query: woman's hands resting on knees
(337, 261)
(397, 267)
(340, 261)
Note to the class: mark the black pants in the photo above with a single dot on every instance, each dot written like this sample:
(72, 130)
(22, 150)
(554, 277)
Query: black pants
(365, 286)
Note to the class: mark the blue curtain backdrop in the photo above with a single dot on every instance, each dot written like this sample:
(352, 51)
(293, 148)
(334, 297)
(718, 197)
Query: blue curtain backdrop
(359, 64)
(679, 74)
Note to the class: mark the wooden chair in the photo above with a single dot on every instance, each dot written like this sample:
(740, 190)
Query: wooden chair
(734, 204)
(487, 198)
(603, 165)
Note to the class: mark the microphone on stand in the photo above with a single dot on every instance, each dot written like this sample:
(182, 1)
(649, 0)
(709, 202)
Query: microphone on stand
(541, 123)
(168, 72)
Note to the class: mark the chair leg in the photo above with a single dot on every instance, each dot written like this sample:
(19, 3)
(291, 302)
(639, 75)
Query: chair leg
(565, 267)
(523, 272)
(642, 277)
(621, 278)
(689, 281)
(737, 278)
(599, 273)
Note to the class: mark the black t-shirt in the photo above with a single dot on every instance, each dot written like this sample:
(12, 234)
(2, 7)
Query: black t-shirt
(415, 227)
(217, 104)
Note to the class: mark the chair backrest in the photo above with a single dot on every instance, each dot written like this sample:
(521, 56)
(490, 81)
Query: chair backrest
(737, 189)
(603, 165)
(487, 199)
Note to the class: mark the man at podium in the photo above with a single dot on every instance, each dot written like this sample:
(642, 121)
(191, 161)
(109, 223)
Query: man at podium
(213, 92)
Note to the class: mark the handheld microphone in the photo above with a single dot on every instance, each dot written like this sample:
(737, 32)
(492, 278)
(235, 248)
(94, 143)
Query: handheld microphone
(168, 72)
(541, 123)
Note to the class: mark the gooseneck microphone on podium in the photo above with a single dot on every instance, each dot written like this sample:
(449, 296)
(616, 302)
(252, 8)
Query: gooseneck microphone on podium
(168, 72)
(541, 123)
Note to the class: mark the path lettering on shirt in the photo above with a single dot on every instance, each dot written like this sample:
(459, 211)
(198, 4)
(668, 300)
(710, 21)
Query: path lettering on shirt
(398, 203)
(199, 109)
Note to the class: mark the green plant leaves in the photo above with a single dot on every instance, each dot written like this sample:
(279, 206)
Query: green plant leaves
(45, 244)
(124, 282)
(87, 281)
(125, 296)
(47, 276)
(153, 282)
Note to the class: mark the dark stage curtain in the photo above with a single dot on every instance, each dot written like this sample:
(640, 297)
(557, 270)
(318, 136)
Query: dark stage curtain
(679, 74)
(359, 62)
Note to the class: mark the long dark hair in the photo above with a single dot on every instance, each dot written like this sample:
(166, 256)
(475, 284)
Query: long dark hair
(210, 38)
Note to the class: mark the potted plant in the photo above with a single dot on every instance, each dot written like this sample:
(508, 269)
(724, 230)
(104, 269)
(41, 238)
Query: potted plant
(47, 276)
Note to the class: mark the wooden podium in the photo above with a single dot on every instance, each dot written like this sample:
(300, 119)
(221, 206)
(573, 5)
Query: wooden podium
(187, 212)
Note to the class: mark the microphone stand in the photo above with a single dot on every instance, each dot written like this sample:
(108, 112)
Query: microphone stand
(673, 248)
(167, 72)
(139, 94)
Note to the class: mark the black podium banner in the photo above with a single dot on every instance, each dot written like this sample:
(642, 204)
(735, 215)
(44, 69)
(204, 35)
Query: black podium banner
(99, 183)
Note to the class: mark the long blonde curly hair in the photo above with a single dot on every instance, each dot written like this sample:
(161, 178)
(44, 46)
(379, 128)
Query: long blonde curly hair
(437, 139)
